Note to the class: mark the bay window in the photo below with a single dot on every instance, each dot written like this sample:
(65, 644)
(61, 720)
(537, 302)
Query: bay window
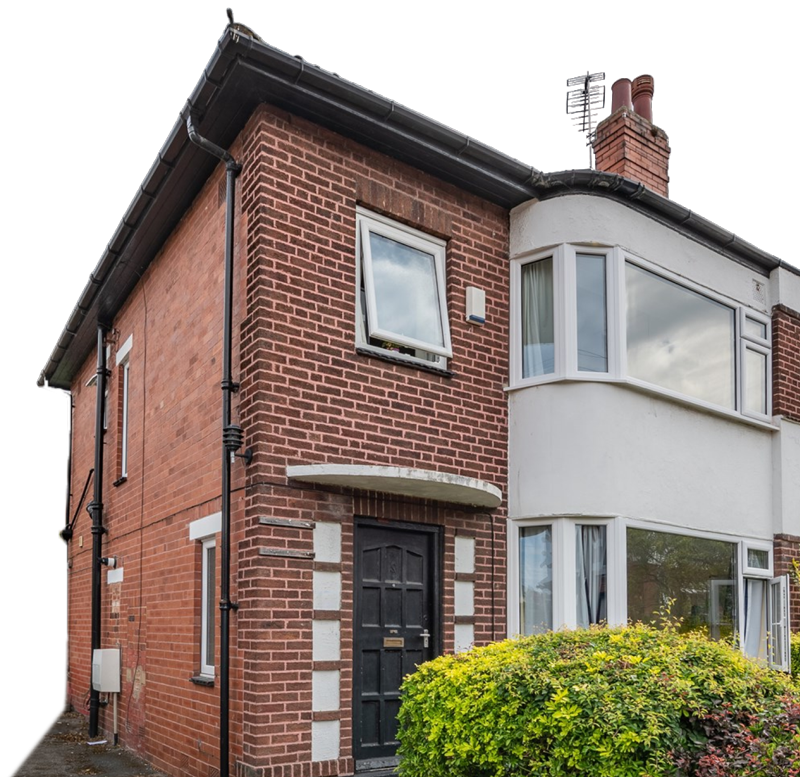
(577, 572)
(589, 313)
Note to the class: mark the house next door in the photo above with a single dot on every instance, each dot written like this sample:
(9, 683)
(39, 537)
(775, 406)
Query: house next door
(395, 628)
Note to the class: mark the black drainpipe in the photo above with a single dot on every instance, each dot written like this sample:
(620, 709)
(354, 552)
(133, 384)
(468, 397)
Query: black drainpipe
(232, 437)
(95, 509)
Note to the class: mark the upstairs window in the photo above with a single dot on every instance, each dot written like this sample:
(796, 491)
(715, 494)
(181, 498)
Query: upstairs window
(591, 313)
(402, 300)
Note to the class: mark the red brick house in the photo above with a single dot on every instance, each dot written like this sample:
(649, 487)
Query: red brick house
(392, 380)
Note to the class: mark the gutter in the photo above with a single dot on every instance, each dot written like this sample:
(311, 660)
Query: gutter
(244, 72)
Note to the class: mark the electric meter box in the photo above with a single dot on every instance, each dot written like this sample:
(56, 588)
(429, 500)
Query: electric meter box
(105, 670)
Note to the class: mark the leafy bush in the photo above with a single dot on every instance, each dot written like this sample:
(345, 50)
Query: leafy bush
(796, 655)
(602, 703)
(744, 744)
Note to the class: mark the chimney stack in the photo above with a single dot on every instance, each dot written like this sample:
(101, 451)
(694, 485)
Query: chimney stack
(628, 143)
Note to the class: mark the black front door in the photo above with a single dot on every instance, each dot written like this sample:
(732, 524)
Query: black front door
(395, 629)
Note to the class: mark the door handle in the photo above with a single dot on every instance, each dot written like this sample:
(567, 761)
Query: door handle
(425, 638)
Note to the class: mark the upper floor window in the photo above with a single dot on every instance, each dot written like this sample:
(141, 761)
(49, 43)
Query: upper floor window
(124, 366)
(402, 300)
(602, 314)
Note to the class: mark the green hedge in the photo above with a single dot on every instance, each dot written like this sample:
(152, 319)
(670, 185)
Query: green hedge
(602, 703)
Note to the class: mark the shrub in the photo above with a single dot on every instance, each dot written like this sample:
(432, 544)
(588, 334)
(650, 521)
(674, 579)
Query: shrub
(745, 744)
(796, 655)
(602, 703)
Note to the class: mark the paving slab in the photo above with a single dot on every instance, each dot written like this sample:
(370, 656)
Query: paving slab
(64, 752)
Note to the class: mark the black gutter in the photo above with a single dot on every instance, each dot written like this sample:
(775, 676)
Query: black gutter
(244, 72)
(231, 442)
(95, 508)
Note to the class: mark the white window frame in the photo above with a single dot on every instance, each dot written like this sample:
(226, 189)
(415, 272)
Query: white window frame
(565, 327)
(368, 222)
(779, 655)
(564, 574)
(123, 361)
(207, 600)
(565, 314)
(744, 565)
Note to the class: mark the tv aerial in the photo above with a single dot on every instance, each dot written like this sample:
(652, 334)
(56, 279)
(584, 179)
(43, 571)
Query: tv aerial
(583, 102)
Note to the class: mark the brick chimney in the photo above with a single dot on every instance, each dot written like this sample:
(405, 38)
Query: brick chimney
(628, 142)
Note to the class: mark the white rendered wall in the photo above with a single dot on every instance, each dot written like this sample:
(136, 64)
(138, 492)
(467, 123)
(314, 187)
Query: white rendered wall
(602, 449)
(786, 463)
(583, 218)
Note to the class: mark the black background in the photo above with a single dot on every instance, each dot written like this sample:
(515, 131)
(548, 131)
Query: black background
(93, 93)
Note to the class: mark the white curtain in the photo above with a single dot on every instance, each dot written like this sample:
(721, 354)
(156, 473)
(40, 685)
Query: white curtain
(590, 562)
(755, 636)
(538, 351)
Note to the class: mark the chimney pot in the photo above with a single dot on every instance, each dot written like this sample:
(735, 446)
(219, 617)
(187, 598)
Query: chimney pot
(621, 94)
(642, 94)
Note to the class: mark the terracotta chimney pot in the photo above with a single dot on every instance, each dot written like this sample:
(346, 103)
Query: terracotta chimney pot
(621, 95)
(642, 93)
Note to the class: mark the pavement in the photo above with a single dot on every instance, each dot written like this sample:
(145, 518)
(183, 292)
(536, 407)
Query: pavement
(64, 752)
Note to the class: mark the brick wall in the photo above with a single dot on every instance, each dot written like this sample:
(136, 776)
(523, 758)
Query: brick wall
(786, 554)
(631, 146)
(174, 317)
(786, 363)
(306, 397)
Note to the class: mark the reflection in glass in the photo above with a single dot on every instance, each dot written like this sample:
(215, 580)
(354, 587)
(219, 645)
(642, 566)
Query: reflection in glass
(775, 645)
(538, 343)
(696, 575)
(679, 339)
(590, 564)
(591, 305)
(753, 328)
(755, 386)
(536, 579)
(406, 295)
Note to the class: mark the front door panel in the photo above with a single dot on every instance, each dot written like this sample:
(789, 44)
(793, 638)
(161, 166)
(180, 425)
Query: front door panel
(395, 629)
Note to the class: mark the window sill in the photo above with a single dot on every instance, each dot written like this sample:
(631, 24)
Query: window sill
(202, 679)
(120, 481)
(404, 362)
(664, 394)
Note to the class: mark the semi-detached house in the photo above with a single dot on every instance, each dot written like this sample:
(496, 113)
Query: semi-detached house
(461, 399)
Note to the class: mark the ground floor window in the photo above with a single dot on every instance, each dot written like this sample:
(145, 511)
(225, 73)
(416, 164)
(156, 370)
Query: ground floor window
(575, 572)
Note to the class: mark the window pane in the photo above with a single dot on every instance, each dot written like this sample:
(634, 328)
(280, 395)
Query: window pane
(536, 579)
(776, 624)
(755, 386)
(754, 328)
(209, 604)
(679, 339)
(538, 344)
(406, 294)
(590, 563)
(757, 559)
(696, 575)
(755, 607)
(591, 303)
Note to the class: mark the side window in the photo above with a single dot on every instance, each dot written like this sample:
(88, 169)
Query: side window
(402, 299)
(203, 532)
(124, 367)
(208, 607)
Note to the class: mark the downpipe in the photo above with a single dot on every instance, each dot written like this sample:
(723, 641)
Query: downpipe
(232, 438)
(95, 509)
